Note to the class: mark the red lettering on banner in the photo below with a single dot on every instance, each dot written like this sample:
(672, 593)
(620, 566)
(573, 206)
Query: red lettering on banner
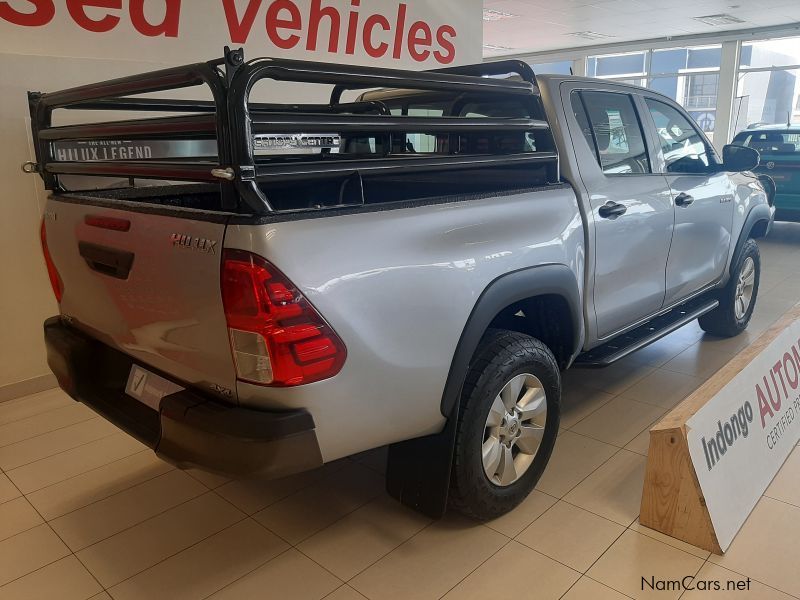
(415, 41)
(447, 45)
(369, 42)
(77, 8)
(314, 19)
(240, 30)
(168, 27)
(275, 23)
(399, 32)
(763, 405)
(352, 29)
(44, 12)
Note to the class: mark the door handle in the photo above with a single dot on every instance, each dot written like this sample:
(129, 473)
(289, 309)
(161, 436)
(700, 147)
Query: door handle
(683, 199)
(612, 210)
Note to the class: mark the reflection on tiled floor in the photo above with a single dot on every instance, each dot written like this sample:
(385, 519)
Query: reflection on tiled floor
(86, 512)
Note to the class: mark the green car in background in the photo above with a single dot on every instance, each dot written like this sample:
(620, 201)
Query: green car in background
(779, 146)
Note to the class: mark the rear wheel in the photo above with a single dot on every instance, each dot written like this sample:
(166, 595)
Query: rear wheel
(507, 425)
(738, 299)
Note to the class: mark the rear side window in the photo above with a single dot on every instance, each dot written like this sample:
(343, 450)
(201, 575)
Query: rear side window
(684, 149)
(611, 126)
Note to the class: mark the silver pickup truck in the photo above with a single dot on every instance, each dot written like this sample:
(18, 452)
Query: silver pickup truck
(258, 288)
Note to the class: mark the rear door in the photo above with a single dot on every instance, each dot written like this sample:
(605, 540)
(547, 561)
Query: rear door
(703, 196)
(147, 282)
(631, 207)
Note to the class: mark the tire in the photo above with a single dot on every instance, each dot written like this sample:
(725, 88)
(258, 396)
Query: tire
(738, 298)
(503, 359)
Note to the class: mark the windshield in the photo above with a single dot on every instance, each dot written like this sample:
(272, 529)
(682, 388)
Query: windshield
(770, 142)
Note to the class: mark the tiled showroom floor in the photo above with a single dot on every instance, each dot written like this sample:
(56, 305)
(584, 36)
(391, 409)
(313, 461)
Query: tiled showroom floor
(86, 512)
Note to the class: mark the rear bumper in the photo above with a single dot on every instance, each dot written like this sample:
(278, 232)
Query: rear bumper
(190, 429)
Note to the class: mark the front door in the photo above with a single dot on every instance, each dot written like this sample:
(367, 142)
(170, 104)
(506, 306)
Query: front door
(631, 208)
(703, 197)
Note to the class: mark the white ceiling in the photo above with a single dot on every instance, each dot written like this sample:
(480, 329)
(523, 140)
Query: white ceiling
(545, 25)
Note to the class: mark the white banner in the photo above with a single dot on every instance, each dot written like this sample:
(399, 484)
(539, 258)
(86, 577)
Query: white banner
(741, 437)
(374, 32)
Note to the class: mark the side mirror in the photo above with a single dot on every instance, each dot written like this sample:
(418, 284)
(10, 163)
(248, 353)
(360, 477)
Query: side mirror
(736, 159)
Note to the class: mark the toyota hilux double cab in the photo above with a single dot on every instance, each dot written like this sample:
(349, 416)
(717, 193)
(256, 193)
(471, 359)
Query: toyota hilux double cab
(258, 288)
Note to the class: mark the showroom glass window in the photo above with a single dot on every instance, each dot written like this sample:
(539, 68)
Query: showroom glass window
(683, 147)
(689, 76)
(611, 126)
(768, 91)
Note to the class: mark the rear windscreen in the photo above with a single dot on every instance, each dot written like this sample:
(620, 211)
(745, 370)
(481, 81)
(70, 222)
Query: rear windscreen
(770, 142)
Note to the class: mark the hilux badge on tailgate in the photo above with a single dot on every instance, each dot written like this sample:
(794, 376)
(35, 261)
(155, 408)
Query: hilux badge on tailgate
(180, 240)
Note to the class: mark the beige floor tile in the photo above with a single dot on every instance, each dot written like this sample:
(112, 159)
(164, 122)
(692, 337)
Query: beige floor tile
(134, 550)
(670, 541)
(616, 378)
(571, 535)
(732, 586)
(23, 408)
(663, 388)
(291, 575)
(95, 485)
(66, 579)
(98, 521)
(345, 593)
(82, 459)
(589, 589)
(430, 563)
(374, 459)
(574, 457)
(42, 423)
(8, 491)
(766, 546)
(252, 496)
(54, 442)
(664, 350)
(101, 596)
(518, 519)
(635, 557)
(699, 360)
(17, 516)
(613, 491)
(786, 485)
(550, 581)
(306, 512)
(28, 551)
(211, 565)
(361, 538)
(210, 480)
(619, 421)
(641, 443)
(579, 401)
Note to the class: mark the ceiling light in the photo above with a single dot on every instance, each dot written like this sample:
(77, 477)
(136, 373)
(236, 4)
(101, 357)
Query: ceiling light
(495, 47)
(496, 15)
(591, 35)
(720, 19)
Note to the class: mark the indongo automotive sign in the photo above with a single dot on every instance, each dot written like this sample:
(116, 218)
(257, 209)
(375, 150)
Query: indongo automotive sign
(330, 30)
(742, 436)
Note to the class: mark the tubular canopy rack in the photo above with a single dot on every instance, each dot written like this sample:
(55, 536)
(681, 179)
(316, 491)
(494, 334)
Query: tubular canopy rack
(230, 121)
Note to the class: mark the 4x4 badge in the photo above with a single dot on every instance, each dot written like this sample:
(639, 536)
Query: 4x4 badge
(180, 240)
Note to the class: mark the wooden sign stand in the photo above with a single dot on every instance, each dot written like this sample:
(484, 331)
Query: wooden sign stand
(672, 501)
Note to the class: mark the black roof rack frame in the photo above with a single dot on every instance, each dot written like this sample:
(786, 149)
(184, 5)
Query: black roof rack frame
(231, 120)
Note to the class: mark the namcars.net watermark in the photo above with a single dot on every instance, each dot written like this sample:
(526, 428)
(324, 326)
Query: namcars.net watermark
(690, 582)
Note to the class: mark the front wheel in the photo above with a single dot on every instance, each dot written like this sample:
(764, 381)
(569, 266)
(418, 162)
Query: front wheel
(738, 299)
(507, 425)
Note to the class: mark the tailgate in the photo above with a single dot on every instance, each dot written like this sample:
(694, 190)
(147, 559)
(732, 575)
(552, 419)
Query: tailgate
(147, 284)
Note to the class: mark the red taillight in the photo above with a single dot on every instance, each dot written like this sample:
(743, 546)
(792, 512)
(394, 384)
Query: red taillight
(277, 337)
(52, 272)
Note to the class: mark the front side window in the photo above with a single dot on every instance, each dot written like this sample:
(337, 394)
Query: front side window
(614, 131)
(684, 149)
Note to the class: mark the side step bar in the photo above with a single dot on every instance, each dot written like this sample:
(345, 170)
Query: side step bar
(644, 335)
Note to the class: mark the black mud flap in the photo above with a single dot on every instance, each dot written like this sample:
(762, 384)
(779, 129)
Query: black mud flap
(418, 471)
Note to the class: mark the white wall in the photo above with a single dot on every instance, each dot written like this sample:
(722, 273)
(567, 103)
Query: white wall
(43, 47)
